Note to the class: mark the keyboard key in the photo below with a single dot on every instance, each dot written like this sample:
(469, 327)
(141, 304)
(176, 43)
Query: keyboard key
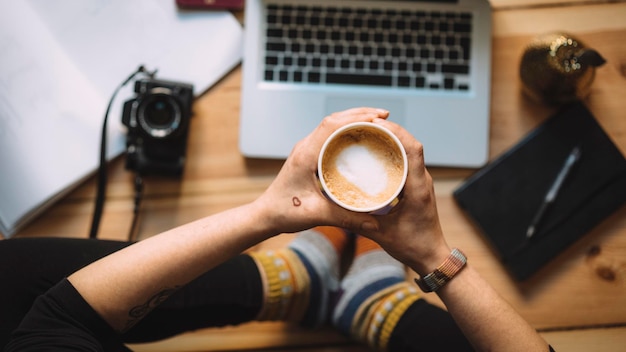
(448, 83)
(313, 77)
(465, 44)
(370, 80)
(462, 27)
(271, 60)
(274, 32)
(452, 68)
(404, 81)
(276, 46)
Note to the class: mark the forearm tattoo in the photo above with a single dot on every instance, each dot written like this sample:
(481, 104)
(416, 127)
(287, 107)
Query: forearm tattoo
(139, 312)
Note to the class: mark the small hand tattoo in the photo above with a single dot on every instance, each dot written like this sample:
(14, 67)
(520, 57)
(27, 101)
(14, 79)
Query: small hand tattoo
(296, 201)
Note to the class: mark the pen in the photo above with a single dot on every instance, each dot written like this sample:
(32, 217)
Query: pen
(572, 158)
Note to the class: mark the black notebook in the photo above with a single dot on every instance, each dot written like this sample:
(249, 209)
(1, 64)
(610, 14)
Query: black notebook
(503, 197)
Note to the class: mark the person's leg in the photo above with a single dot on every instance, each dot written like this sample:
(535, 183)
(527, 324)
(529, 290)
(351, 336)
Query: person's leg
(300, 279)
(229, 294)
(30, 266)
(293, 283)
(377, 306)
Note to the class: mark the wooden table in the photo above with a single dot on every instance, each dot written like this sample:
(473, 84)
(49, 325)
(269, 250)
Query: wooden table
(578, 301)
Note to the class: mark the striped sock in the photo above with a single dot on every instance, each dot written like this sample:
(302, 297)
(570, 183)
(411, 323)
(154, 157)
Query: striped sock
(373, 296)
(300, 279)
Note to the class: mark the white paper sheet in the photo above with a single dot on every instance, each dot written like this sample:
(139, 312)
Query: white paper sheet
(60, 62)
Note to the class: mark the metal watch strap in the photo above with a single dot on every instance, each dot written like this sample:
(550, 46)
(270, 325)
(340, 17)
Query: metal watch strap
(444, 273)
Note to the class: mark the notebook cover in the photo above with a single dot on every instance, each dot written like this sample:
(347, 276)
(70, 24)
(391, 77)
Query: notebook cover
(503, 197)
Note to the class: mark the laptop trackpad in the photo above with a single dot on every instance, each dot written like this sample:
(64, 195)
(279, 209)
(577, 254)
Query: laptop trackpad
(395, 107)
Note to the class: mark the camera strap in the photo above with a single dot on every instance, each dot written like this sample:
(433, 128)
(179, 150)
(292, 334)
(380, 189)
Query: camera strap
(102, 170)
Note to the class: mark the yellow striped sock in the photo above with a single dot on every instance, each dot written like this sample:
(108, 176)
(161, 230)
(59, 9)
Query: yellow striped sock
(394, 307)
(286, 285)
(365, 313)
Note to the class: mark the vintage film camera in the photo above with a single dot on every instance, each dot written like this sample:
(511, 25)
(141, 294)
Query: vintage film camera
(158, 126)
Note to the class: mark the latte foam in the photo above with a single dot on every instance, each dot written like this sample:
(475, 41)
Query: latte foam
(358, 164)
(363, 167)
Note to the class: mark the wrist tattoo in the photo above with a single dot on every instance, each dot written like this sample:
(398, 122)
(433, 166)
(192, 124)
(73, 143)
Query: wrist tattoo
(296, 201)
(139, 312)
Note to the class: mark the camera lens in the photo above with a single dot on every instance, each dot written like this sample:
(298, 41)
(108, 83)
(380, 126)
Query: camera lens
(159, 115)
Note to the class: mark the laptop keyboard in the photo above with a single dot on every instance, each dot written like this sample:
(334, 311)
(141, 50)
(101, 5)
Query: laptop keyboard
(312, 44)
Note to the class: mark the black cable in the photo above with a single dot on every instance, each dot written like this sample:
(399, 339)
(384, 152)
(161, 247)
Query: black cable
(102, 171)
(138, 196)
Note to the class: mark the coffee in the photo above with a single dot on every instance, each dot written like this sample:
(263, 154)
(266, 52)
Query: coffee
(363, 166)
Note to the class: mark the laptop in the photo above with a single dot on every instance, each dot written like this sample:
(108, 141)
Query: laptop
(427, 62)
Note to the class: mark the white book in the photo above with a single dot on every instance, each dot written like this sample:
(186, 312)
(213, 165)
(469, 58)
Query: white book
(60, 62)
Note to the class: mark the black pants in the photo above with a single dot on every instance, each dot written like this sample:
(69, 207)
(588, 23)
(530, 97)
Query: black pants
(229, 294)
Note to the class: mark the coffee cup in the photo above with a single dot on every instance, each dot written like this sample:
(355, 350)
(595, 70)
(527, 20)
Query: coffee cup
(363, 167)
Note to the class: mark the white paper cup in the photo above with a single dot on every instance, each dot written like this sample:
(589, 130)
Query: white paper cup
(363, 167)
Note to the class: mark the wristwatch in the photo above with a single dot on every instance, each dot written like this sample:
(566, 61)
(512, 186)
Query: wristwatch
(444, 273)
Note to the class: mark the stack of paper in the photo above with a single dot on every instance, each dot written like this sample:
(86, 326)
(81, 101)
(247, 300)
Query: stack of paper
(60, 62)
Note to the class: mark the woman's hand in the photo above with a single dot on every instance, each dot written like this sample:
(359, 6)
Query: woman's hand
(412, 232)
(294, 201)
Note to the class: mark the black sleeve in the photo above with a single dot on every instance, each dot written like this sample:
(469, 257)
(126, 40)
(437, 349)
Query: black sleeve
(61, 320)
(426, 327)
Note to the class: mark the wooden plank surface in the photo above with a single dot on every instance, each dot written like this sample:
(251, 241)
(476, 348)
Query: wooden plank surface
(601, 339)
(572, 300)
